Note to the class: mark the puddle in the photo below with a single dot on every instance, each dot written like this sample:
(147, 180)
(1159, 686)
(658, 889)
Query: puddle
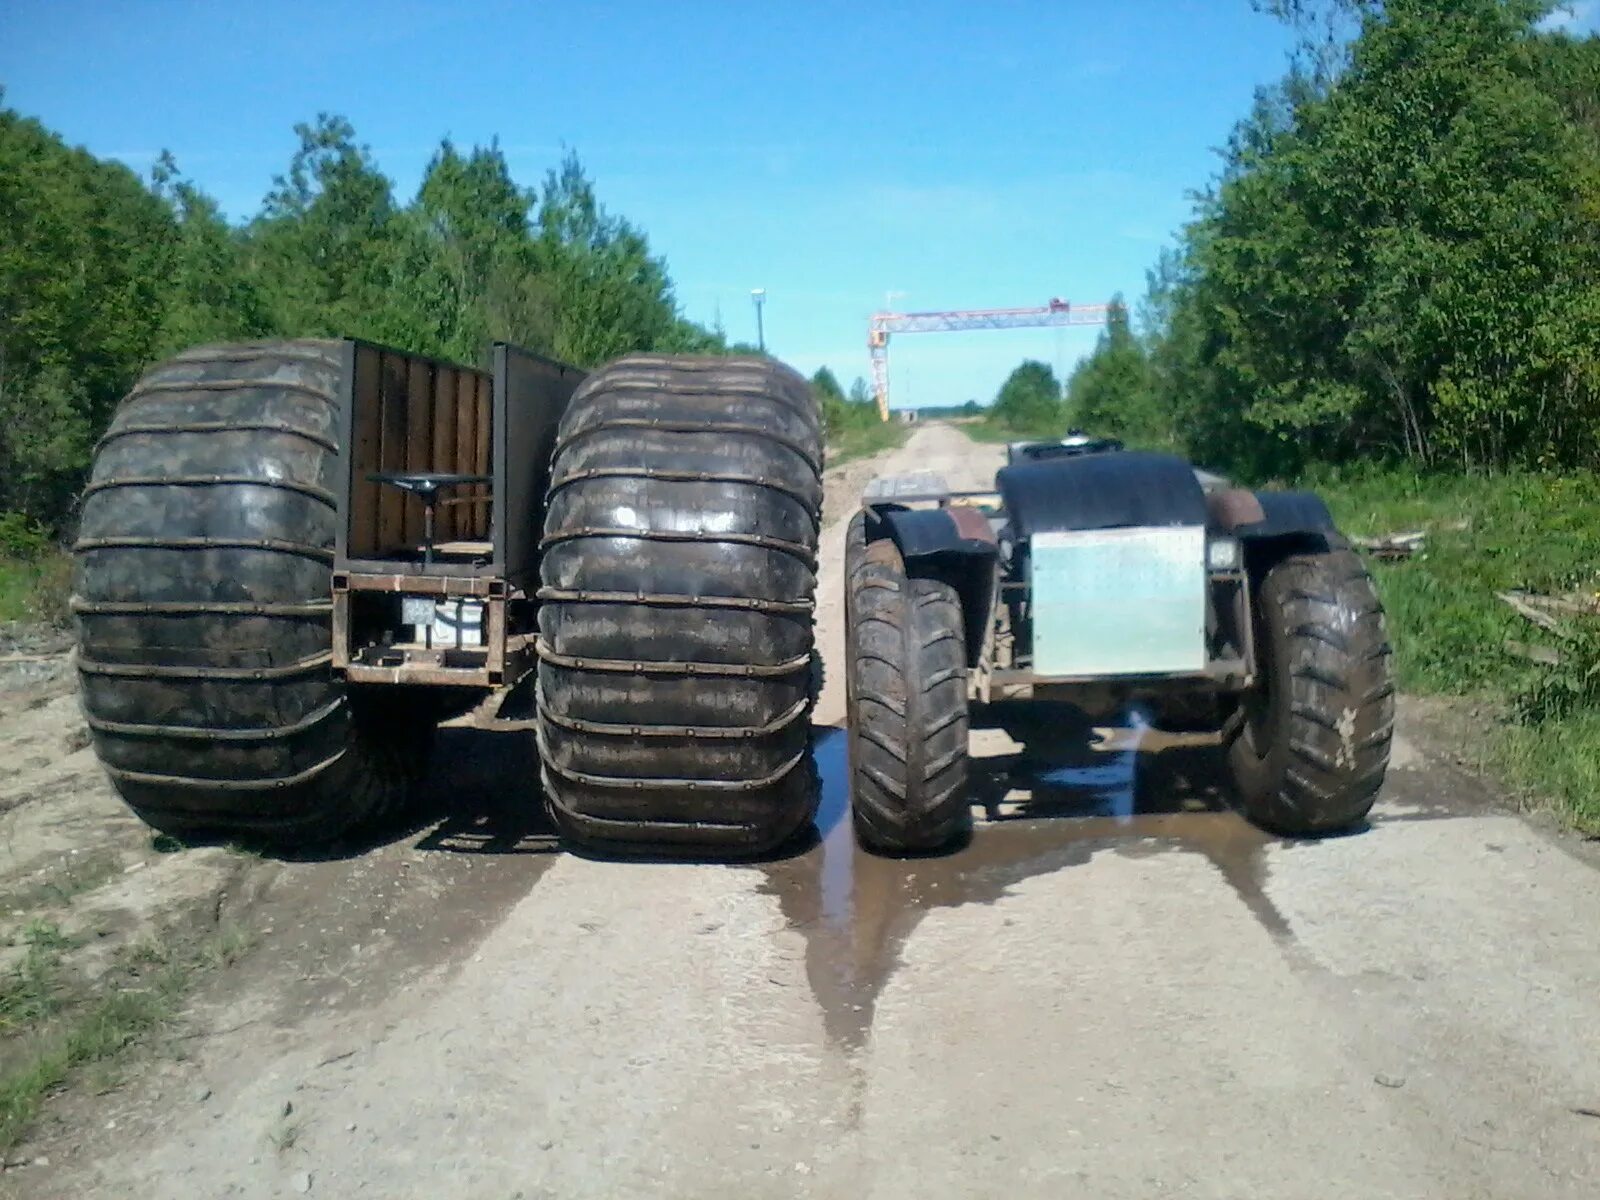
(1089, 795)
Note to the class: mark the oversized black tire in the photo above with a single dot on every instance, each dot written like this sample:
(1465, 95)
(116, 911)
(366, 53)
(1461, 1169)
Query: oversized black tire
(675, 676)
(1313, 747)
(203, 605)
(907, 703)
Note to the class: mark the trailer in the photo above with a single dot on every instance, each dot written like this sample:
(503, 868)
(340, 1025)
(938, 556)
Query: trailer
(297, 558)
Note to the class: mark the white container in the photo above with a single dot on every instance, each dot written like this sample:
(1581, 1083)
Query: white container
(458, 623)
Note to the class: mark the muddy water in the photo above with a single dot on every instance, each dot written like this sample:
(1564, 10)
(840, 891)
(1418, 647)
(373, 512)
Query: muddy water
(1127, 791)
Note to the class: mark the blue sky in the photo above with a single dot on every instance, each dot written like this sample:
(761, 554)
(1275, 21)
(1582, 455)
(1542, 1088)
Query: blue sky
(960, 155)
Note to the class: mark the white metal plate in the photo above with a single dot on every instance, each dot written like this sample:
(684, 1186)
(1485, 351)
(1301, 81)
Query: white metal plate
(1109, 602)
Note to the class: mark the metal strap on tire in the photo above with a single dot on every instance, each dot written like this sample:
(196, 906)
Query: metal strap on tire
(798, 549)
(673, 600)
(177, 608)
(629, 827)
(228, 785)
(262, 355)
(626, 667)
(764, 481)
(322, 554)
(755, 390)
(142, 390)
(315, 491)
(698, 732)
(122, 431)
(713, 785)
(692, 427)
(213, 733)
(304, 666)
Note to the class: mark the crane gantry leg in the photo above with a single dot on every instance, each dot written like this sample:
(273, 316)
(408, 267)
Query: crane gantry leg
(878, 345)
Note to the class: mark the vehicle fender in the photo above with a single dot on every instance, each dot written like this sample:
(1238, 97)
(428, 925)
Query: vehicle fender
(956, 544)
(1286, 513)
(1273, 525)
(1101, 491)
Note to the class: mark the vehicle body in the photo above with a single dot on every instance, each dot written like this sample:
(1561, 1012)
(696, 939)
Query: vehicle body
(1075, 443)
(441, 500)
(297, 558)
(1101, 577)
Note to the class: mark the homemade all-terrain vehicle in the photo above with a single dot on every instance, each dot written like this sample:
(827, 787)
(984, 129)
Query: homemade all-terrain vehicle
(297, 558)
(1100, 576)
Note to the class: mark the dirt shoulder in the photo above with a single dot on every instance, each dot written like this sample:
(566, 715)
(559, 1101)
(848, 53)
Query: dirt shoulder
(93, 904)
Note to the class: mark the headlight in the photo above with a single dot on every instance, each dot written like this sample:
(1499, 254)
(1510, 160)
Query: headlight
(1222, 554)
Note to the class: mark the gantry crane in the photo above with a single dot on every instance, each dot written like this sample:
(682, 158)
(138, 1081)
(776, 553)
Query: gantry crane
(1057, 312)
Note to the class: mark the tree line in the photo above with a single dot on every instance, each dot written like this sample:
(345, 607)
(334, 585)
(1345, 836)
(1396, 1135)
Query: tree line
(1399, 259)
(103, 272)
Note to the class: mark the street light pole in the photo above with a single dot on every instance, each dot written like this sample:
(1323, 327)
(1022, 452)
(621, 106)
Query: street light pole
(758, 297)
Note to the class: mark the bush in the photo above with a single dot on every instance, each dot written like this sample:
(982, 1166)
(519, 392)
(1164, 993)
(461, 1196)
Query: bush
(22, 537)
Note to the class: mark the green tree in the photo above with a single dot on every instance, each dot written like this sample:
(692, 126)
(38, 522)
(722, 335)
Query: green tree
(469, 260)
(211, 295)
(1030, 399)
(1109, 393)
(327, 247)
(81, 307)
(1399, 257)
(830, 396)
(100, 275)
(611, 295)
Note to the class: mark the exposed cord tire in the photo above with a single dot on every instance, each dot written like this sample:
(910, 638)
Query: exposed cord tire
(203, 605)
(1313, 747)
(907, 701)
(676, 676)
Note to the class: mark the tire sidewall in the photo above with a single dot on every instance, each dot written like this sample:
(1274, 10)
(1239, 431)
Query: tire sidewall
(854, 549)
(1258, 769)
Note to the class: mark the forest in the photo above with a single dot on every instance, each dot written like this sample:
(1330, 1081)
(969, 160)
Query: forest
(1390, 292)
(1398, 261)
(103, 272)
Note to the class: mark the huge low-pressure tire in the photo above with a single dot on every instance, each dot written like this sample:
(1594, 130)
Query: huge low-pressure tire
(907, 702)
(204, 606)
(1312, 750)
(675, 626)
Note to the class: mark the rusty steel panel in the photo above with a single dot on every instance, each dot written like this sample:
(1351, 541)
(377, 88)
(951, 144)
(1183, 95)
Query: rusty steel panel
(391, 454)
(531, 394)
(408, 413)
(419, 442)
(361, 526)
(446, 382)
(481, 461)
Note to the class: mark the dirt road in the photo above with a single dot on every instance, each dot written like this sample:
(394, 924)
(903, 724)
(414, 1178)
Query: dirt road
(1116, 991)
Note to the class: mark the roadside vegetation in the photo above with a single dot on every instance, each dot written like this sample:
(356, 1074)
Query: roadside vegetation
(1029, 404)
(77, 999)
(473, 256)
(35, 573)
(1391, 293)
(1485, 535)
(853, 427)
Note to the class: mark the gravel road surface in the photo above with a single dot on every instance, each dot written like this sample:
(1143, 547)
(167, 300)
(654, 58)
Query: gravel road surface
(1118, 990)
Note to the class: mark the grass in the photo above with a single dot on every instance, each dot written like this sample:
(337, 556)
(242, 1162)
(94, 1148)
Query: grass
(17, 578)
(990, 430)
(77, 874)
(863, 438)
(36, 588)
(1487, 534)
(53, 1024)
